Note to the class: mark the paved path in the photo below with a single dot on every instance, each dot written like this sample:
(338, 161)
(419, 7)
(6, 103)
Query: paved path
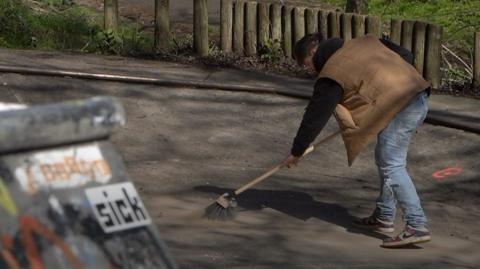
(181, 11)
(455, 111)
(183, 147)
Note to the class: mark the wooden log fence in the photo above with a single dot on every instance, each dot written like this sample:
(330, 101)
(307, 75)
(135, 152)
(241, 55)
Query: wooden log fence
(311, 21)
(396, 31)
(346, 26)
(323, 22)
(418, 45)
(162, 35)
(287, 31)
(110, 11)
(251, 28)
(298, 24)
(333, 20)
(200, 27)
(276, 22)
(238, 24)
(373, 25)
(476, 60)
(358, 25)
(433, 55)
(407, 34)
(226, 25)
(246, 25)
(263, 23)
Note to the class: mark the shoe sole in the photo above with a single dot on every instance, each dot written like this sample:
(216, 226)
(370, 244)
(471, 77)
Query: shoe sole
(401, 244)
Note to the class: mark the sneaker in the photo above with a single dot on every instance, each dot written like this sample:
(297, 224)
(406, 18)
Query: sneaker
(408, 237)
(375, 224)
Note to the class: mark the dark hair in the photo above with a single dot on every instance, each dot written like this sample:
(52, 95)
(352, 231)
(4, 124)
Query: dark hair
(305, 45)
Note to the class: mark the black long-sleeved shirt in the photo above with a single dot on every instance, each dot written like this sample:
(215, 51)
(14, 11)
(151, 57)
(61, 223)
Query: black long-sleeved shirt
(327, 94)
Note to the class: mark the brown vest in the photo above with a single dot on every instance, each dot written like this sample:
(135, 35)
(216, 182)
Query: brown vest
(377, 83)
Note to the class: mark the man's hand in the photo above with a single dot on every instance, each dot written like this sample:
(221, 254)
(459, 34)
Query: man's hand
(290, 161)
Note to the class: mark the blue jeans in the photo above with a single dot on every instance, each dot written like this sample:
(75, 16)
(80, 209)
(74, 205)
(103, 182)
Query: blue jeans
(391, 159)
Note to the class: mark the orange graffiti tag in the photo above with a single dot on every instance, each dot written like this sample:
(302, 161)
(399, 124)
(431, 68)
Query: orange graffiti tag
(64, 171)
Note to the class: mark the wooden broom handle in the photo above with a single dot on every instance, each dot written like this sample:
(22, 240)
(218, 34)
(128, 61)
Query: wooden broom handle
(280, 166)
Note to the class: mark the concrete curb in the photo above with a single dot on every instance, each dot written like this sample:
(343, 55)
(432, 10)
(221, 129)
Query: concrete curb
(454, 120)
(436, 117)
(156, 81)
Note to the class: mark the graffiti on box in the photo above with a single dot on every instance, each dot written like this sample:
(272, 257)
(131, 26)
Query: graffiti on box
(117, 207)
(69, 236)
(6, 201)
(66, 168)
(49, 221)
(29, 228)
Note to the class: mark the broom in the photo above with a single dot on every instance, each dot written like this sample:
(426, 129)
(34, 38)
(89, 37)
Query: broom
(224, 207)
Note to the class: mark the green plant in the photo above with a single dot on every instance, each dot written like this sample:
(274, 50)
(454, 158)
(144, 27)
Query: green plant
(271, 51)
(44, 24)
(455, 76)
(458, 17)
(134, 40)
(181, 45)
(214, 50)
(64, 25)
(106, 41)
(4, 43)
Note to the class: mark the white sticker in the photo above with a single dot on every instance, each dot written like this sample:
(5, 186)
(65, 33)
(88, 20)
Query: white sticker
(65, 168)
(117, 207)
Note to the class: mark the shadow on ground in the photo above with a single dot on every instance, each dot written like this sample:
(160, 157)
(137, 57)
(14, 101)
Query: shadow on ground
(296, 204)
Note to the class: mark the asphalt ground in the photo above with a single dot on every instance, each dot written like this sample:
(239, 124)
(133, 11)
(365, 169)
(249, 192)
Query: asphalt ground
(183, 147)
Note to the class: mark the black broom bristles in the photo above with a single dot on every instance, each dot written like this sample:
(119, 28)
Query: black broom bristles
(223, 209)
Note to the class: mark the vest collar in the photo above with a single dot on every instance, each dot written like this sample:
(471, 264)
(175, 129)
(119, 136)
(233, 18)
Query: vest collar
(325, 50)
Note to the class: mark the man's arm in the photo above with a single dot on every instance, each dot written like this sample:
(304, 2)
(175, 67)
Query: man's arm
(326, 96)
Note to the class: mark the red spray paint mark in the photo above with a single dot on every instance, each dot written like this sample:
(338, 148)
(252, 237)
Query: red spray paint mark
(447, 172)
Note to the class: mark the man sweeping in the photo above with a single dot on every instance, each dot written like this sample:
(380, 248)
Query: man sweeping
(374, 92)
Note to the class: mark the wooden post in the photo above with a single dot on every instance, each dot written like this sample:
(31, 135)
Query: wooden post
(162, 25)
(323, 23)
(373, 26)
(346, 26)
(263, 23)
(238, 26)
(200, 27)
(311, 19)
(407, 34)
(298, 24)
(110, 9)
(276, 19)
(287, 30)
(418, 49)
(226, 25)
(251, 28)
(358, 25)
(396, 31)
(333, 24)
(476, 60)
(433, 55)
